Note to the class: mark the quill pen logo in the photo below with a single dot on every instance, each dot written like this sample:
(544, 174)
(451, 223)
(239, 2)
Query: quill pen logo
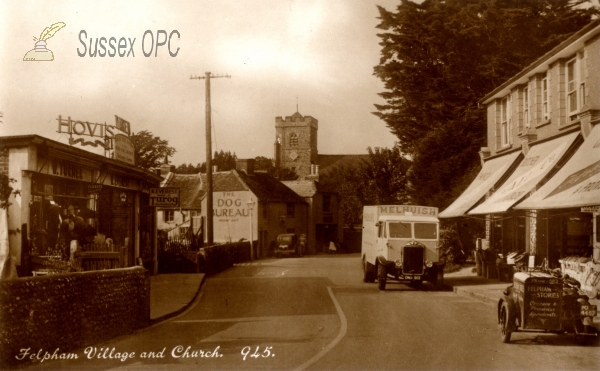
(40, 53)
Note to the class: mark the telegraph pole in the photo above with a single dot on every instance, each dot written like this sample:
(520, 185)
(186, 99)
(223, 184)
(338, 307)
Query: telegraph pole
(209, 196)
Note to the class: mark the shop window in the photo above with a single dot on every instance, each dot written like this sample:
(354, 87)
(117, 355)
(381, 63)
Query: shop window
(291, 230)
(169, 216)
(291, 210)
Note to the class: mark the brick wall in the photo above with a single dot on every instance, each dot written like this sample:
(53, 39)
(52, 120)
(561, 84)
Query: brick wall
(70, 311)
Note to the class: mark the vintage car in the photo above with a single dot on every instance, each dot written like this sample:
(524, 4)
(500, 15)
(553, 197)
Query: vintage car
(546, 302)
(286, 244)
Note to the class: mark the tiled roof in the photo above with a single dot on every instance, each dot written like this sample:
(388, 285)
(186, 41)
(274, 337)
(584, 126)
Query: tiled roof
(328, 162)
(191, 189)
(226, 181)
(307, 188)
(267, 188)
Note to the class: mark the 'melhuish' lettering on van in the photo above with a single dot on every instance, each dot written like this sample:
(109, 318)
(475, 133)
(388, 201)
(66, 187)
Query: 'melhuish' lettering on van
(408, 210)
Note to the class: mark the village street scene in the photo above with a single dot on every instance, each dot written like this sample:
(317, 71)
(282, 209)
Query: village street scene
(300, 185)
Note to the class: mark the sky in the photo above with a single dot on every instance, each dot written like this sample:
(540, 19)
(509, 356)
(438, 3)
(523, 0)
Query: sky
(317, 55)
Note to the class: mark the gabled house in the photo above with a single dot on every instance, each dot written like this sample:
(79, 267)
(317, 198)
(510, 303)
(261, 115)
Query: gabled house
(178, 220)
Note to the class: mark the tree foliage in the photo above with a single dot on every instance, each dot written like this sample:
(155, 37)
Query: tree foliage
(150, 151)
(439, 57)
(380, 180)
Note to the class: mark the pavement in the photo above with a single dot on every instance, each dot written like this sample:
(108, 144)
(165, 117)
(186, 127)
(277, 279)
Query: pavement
(172, 294)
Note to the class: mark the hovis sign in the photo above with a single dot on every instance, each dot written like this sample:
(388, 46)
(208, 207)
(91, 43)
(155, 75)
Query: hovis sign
(164, 197)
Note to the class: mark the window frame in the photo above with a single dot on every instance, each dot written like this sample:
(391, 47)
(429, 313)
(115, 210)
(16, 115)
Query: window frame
(293, 140)
(572, 86)
(527, 122)
(545, 100)
(504, 122)
(166, 214)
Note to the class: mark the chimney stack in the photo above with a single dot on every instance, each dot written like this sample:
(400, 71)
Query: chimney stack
(245, 165)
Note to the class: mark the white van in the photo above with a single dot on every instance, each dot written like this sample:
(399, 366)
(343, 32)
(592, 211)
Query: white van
(401, 243)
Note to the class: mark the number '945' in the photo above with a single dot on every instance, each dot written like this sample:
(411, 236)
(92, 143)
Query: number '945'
(265, 353)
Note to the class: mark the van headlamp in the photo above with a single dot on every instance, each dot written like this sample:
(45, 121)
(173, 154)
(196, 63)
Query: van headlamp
(398, 263)
(428, 264)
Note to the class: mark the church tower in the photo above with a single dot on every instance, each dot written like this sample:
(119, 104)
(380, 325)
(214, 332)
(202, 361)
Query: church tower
(296, 143)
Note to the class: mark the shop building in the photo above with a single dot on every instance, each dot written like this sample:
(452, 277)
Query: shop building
(538, 187)
(56, 179)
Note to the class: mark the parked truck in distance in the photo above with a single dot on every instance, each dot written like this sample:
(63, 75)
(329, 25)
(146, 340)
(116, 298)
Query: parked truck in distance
(401, 243)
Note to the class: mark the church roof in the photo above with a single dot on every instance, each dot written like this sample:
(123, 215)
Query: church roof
(297, 115)
(328, 162)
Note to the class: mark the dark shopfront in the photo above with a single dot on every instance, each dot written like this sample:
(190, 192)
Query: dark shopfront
(57, 180)
(548, 234)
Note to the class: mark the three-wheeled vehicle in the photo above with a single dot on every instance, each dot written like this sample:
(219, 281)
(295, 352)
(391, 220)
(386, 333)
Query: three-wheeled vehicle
(545, 302)
(286, 245)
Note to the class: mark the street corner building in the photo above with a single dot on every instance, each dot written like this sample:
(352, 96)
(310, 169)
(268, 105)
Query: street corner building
(72, 202)
(539, 184)
(248, 205)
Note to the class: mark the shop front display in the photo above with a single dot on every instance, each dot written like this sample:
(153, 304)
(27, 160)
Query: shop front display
(68, 194)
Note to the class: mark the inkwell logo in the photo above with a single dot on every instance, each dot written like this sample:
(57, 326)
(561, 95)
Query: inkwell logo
(40, 53)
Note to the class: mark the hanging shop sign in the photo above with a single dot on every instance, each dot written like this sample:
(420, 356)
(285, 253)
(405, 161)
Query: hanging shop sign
(164, 197)
(122, 125)
(124, 149)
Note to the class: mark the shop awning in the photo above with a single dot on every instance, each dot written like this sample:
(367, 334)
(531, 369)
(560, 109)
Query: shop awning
(538, 162)
(491, 172)
(576, 184)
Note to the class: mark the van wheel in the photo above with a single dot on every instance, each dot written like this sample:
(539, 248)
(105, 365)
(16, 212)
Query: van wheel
(439, 280)
(506, 316)
(381, 277)
(368, 272)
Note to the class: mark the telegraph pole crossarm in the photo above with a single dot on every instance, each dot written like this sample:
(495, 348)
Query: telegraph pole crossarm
(209, 184)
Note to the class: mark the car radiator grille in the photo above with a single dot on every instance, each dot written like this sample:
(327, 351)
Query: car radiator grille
(413, 260)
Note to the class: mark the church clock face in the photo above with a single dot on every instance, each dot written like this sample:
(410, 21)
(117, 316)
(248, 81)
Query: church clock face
(293, 155)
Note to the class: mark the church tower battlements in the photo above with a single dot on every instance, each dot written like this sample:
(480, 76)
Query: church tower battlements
(296, 143)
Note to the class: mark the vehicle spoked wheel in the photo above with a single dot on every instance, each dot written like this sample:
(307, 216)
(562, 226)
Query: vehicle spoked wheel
(505, 318)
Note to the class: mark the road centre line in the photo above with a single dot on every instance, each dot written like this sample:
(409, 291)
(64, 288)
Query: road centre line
(340, 336)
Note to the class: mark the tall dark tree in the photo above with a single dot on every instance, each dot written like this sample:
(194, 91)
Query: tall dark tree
(439, 57)
(150, 151)
(383, 177)
(224, 161)
(263, 164)
(380, 180)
